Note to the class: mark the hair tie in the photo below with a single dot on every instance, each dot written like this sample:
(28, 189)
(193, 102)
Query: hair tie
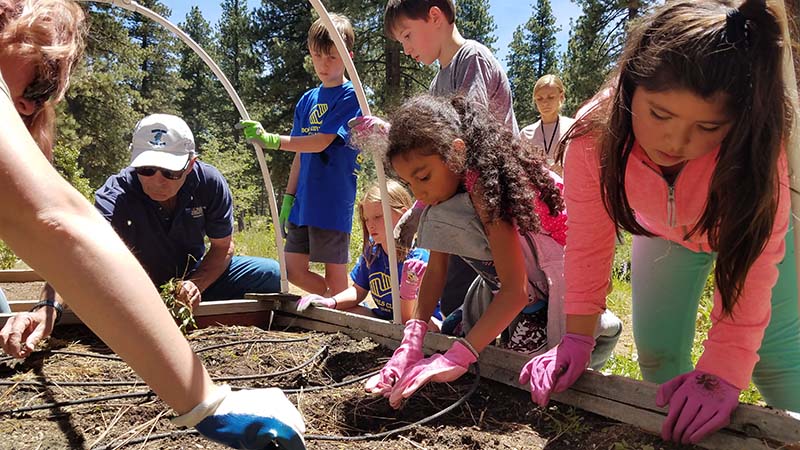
(736, 29)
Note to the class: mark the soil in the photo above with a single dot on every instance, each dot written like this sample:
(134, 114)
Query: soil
(494, 417)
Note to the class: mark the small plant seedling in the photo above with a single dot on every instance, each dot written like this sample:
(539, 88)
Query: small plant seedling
(181, 312)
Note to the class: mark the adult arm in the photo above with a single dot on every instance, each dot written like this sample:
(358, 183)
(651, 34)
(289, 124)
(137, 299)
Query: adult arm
(213, 264)
(23, 331)
(59, 234)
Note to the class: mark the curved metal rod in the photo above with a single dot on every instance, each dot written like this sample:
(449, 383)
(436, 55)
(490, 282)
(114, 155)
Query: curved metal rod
(132, 6)
(362, 102)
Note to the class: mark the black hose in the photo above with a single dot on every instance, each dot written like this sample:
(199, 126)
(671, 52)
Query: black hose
(317, 437)
(135, 382)
(322, 351)
(200, 350)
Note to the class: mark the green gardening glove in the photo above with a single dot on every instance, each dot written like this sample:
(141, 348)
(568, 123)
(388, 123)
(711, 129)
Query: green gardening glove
(255, 134)
(286, 208)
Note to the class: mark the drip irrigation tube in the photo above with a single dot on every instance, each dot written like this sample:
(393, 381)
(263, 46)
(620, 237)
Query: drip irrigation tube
(117, 358)
(306, 363)
(323, 350)
(321, 437)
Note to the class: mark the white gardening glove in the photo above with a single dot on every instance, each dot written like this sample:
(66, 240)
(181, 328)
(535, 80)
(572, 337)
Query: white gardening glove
(247, 419)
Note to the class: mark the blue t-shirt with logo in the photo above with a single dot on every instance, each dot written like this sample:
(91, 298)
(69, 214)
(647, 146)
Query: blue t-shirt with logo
(326, 186)
(375, 279)
(168, 244)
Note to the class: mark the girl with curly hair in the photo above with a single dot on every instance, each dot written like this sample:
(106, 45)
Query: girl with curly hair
(472, 174)
(684, 151)
(59, 234)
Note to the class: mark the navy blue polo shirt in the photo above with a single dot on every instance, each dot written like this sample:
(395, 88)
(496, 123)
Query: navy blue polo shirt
(168, 244)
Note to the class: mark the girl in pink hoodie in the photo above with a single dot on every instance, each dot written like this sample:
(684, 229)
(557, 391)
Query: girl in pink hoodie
(684, 151)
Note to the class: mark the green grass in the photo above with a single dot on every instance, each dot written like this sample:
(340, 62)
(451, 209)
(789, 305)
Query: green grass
(258, 239)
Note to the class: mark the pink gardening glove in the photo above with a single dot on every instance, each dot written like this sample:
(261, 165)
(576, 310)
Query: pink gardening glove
(315, 300)
(409, 352)
(438, 368)
(369, 134)
(700, 404)
(411, 278)
(557, 370)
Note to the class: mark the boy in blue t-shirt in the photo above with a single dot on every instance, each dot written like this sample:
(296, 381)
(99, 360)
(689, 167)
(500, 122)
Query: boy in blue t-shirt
(317, 208)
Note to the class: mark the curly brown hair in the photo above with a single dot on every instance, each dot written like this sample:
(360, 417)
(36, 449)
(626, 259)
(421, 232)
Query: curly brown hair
(509, 176)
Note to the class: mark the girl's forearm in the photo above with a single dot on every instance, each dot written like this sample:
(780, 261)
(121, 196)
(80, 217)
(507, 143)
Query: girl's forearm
(505, 306)
(349, 297)
(584, 325)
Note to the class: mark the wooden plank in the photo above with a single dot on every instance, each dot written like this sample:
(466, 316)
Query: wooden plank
(19, 276)
(621, 398)
(68, 318)
(241, 312)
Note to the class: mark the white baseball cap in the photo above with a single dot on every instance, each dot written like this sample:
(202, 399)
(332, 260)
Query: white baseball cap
(162, 140)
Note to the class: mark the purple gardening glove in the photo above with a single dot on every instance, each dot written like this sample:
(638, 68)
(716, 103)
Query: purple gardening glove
(411, 278)
(315, 300)
(369, 134)
(700, 404)
(556, 370)
(438, 368)
(409, 352)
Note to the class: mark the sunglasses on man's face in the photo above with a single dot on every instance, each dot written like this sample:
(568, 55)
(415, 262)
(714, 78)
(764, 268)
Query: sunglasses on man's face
(168, 174)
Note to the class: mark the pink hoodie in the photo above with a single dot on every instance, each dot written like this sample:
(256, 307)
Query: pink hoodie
(669, 212)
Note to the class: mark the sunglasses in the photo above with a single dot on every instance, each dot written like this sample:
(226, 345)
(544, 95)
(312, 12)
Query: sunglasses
(42, 87)
(168, 174)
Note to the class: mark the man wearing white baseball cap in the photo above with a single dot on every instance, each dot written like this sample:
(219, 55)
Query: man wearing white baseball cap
(163, 206)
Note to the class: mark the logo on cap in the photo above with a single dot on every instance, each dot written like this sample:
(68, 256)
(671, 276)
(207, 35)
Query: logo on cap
(157, 142)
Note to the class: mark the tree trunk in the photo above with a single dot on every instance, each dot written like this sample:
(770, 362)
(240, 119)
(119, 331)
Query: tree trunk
(393, 72)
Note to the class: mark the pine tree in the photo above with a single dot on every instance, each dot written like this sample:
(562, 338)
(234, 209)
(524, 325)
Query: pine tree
(532, 54)
(595, 43)
(474, 21)
(160, 84)
(98, 113)
(202, 94)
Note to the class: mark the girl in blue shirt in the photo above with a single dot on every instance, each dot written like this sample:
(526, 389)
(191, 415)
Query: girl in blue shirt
(371, 273)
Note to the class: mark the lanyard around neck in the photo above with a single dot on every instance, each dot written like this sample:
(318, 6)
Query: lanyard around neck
(552, 137)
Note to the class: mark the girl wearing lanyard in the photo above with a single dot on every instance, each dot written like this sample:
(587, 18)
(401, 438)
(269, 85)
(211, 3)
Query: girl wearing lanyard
(548, 95)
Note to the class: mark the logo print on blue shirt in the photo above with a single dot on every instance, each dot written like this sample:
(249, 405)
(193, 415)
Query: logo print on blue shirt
(315, 118)
(157, 142)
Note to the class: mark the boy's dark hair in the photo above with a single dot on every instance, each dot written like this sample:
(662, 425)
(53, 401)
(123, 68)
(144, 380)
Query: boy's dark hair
(319, 39)
(397, 10)
(708, 48)
(510, 177)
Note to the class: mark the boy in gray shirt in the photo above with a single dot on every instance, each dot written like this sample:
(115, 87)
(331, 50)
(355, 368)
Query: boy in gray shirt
(428, 33)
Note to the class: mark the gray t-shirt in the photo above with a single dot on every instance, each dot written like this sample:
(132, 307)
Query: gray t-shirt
(477, 74)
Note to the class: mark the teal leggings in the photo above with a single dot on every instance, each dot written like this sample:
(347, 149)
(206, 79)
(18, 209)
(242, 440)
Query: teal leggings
(667, 281)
